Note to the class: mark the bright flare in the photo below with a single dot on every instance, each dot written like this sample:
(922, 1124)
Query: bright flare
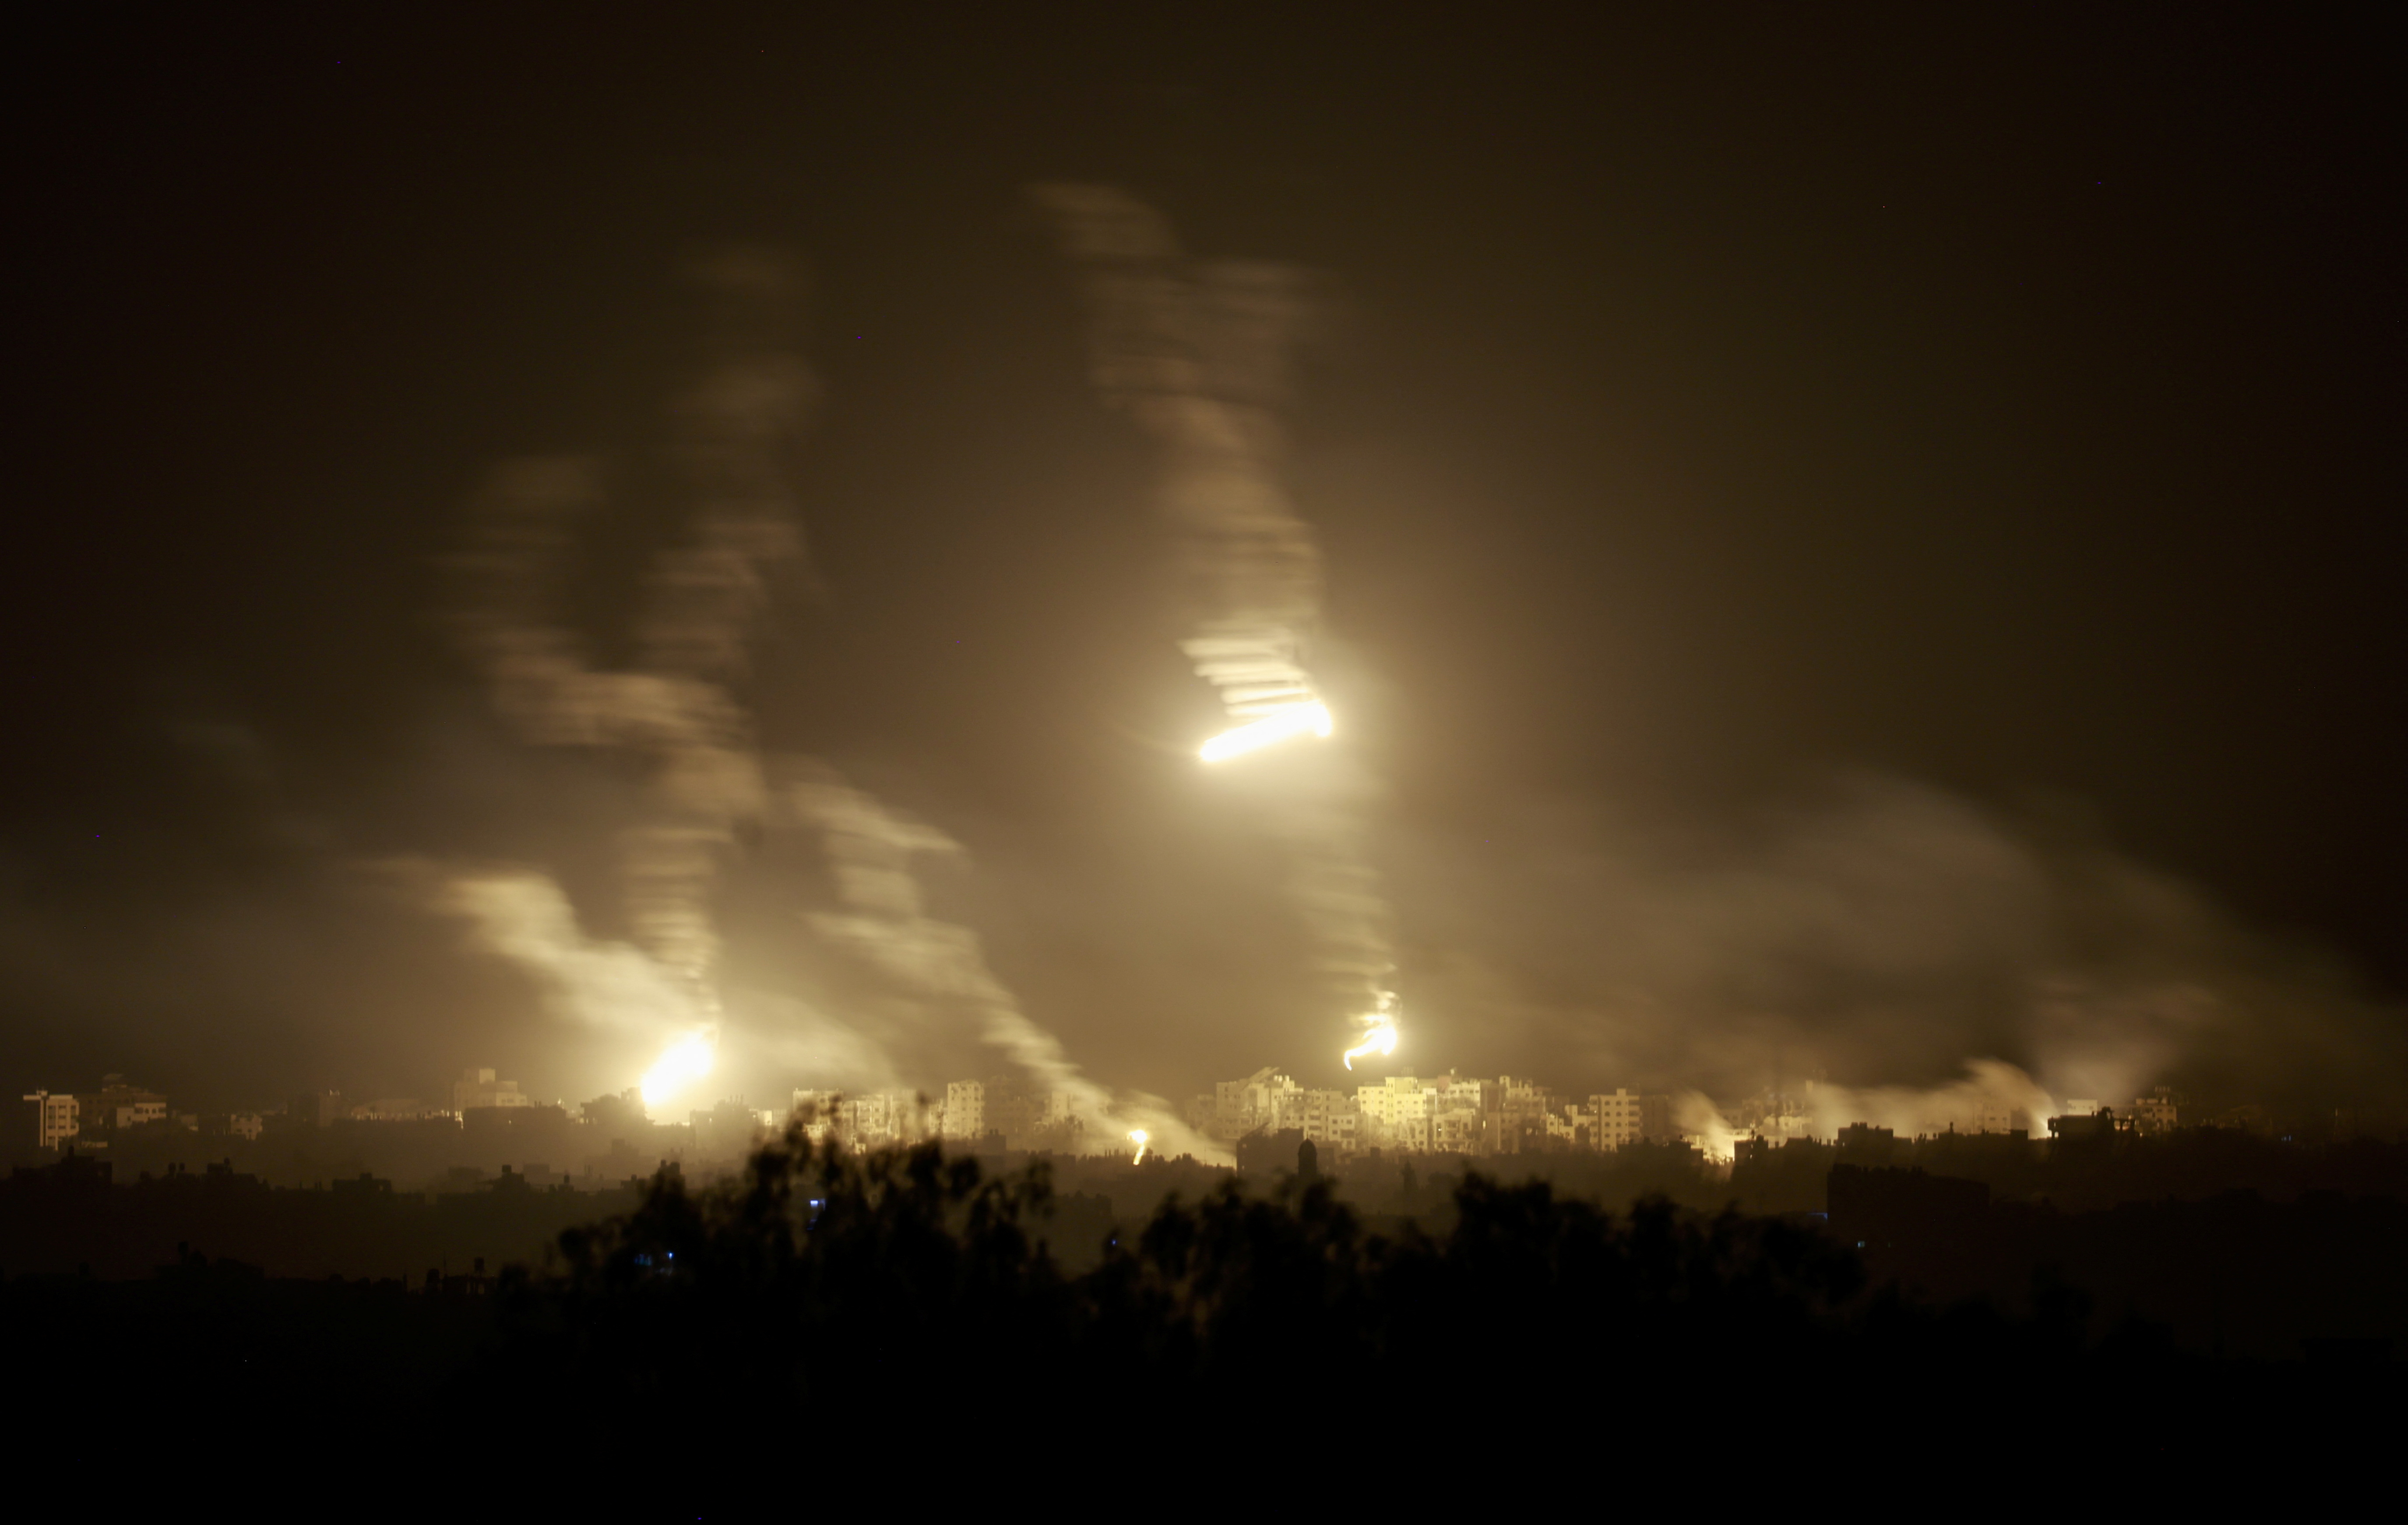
(1271, 728)
(687, 1061)
(1380, 1040)
(1137, 1137)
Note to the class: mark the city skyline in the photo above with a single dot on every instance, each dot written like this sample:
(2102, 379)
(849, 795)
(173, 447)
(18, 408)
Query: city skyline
(1447, 1114)
(1896, 620)
(768, 750)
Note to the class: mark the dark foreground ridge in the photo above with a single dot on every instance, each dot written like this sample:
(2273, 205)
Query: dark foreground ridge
(900, 1308)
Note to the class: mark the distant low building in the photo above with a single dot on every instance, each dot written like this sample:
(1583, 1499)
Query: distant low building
(2000, 1118)
(2248, 1117)
(2099, 1124)
(392, 1109)
(524, 1132)
(821, 1113)
(117, 1106)
(1012, 1107)
(316, 1109)
(620, 1116)
(1624, 1118)
(1862, 1144)
(134, 1114)
(871, 1119)
(965, 1109)
(57, 1117)
(1395, 1113)
(1262, 1099)
(483, 1088)
(1024, 1116)
(2159, 1112)
(729, 1128)
(1460, 1131)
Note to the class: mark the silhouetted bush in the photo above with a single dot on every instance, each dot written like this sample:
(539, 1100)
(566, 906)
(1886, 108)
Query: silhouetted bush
(904, 1317)
(900, 1306)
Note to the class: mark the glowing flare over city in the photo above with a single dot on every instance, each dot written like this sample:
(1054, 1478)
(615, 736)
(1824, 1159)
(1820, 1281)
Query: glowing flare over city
(1381, 1040)
(1137, 1137)
(688, 1060)
(1278, 726)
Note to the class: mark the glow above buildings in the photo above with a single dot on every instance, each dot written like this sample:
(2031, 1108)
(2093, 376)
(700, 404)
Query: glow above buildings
(1277, 726)
(688, 1060)
(1381, 1040)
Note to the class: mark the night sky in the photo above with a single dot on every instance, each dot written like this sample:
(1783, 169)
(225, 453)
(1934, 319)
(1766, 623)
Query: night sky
(1856, 541)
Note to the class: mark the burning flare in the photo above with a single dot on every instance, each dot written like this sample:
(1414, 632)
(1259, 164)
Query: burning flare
(1137, 1137)
(688, 1060)
(1277, 726)
(1381, 1039)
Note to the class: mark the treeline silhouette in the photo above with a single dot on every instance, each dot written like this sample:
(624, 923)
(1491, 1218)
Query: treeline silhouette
(843, 1292)
(2322, 1275)
(838, 1311)
(74, 1215)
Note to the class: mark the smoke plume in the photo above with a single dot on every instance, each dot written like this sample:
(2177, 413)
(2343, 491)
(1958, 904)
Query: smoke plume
(1197, 354)
(1883, 952)
(676, 710)
(884, 920)
(735, 432)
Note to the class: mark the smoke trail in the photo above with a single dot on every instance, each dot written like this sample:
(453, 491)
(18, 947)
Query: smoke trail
(1949, 958)
(1991, 1096)
(1197, 355)
(524, 916)
(736, 433)
(870, 850)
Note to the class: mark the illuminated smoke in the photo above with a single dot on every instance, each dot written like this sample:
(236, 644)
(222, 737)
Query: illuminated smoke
(1939, 955)
(1990, 1092)
(1196, 353)
(1703, 1124)
(735, 434)
(938, 964)
(612, 987)
(1991, 1096)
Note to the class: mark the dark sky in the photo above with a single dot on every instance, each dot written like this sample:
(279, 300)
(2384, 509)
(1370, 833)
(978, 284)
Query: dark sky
(1784, 474)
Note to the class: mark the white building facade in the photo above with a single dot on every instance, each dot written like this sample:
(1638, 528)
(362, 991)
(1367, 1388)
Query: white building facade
(58, 1116)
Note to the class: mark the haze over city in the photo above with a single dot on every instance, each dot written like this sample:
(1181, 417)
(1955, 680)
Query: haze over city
(1314, 600)
(1848, 644)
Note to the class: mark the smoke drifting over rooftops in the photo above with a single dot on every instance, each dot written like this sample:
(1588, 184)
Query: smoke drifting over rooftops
(1902, 953)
